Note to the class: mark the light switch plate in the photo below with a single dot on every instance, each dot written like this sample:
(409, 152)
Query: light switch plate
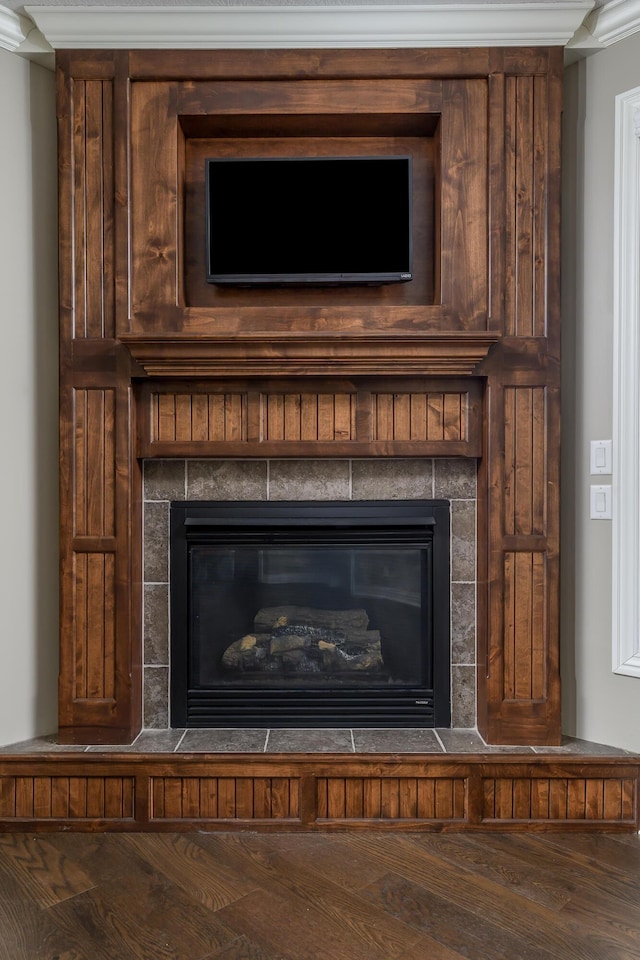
(600, 457)
(601, 501)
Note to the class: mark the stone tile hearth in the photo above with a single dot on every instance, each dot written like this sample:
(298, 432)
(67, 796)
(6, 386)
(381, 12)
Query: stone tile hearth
(395, 740)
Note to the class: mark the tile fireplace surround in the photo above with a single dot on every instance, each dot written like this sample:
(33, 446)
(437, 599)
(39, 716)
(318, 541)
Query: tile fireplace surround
(450, 479)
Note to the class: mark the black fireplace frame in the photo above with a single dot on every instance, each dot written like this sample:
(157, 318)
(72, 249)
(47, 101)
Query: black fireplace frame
(421, 523)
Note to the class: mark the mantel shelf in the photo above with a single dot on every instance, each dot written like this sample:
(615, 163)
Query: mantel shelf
(264, 354)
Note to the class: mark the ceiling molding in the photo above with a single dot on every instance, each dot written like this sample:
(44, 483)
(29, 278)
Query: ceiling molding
(20, 35)
(13, 29)
(614, 21)
(514, 23)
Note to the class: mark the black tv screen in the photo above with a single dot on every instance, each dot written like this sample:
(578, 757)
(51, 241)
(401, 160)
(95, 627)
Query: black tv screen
(311, 220)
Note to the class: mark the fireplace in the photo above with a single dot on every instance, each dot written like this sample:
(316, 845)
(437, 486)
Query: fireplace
(320, 481)
(310, 613)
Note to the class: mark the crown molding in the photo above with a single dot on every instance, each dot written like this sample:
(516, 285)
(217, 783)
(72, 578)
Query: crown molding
(514, 23)
(614, 21)
(13, 29)
(20, 35)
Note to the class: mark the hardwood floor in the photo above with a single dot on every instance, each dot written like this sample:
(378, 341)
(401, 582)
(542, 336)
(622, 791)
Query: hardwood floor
(352, 896)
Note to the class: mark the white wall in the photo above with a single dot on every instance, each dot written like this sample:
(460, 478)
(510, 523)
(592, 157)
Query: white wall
(598, 704)
(28, 401)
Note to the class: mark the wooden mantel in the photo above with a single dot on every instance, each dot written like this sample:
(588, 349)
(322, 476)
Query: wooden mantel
(479, 324)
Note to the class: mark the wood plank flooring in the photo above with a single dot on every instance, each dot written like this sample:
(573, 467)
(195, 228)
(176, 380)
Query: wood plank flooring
(306, 896)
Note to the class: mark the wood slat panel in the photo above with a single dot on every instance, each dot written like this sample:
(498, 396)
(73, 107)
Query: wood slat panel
(215, 425)
(391, 798)
(558, 798)
(402, 415)
(93, 209)
(435, 416)
(336, 798)
(200, 416)
(453, 421)
(540, 799)
(426, 799)
(244, 798)
(291, 416)
(408, 795)
(94, 625)
(418, 429)
(444, 799)
(313, 417)
(525, 458)
(7, 797)
(326, 417)
(59, 797)
(225, 798)
(526, 148)
(413, 416)
(541, 254)
(390, 790)
(235, 418)
(284, 798)
(94, 463)
(523, 201)
(77, 797)
(308, 417)
(186, 417)
(372, 798)
(524, 625)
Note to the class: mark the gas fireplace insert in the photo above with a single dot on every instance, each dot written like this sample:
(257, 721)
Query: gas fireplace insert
(288, 614)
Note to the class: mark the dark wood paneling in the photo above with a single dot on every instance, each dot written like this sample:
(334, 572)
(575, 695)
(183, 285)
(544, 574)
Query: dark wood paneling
(463, 209)
(391, 798)
(522, 610)
(93, 208)
(185, 417)
(525, 629)
(224, 798)
(77, 798)
(316, 98)
(94, 626)
(419, 418)
(558, 798)
(154, 197)
(486, 129)
(94, 463)
(525, 437)
(320, 792)
(312, 64)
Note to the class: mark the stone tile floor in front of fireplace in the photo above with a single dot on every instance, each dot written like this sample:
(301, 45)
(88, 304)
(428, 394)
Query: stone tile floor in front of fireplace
(309, 740)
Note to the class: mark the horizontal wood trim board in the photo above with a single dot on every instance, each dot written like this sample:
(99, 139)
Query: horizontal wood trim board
(287, 792)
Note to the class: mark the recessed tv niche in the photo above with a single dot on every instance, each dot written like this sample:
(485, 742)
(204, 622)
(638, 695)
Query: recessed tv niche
(309, 221)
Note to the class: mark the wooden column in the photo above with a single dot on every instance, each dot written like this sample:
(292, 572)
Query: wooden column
(519, 685)
(99, 682)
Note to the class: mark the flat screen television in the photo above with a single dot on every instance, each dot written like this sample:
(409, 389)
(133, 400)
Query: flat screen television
(322, 221)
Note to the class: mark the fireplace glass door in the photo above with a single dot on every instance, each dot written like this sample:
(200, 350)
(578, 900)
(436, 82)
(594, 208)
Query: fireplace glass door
(299, 614)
